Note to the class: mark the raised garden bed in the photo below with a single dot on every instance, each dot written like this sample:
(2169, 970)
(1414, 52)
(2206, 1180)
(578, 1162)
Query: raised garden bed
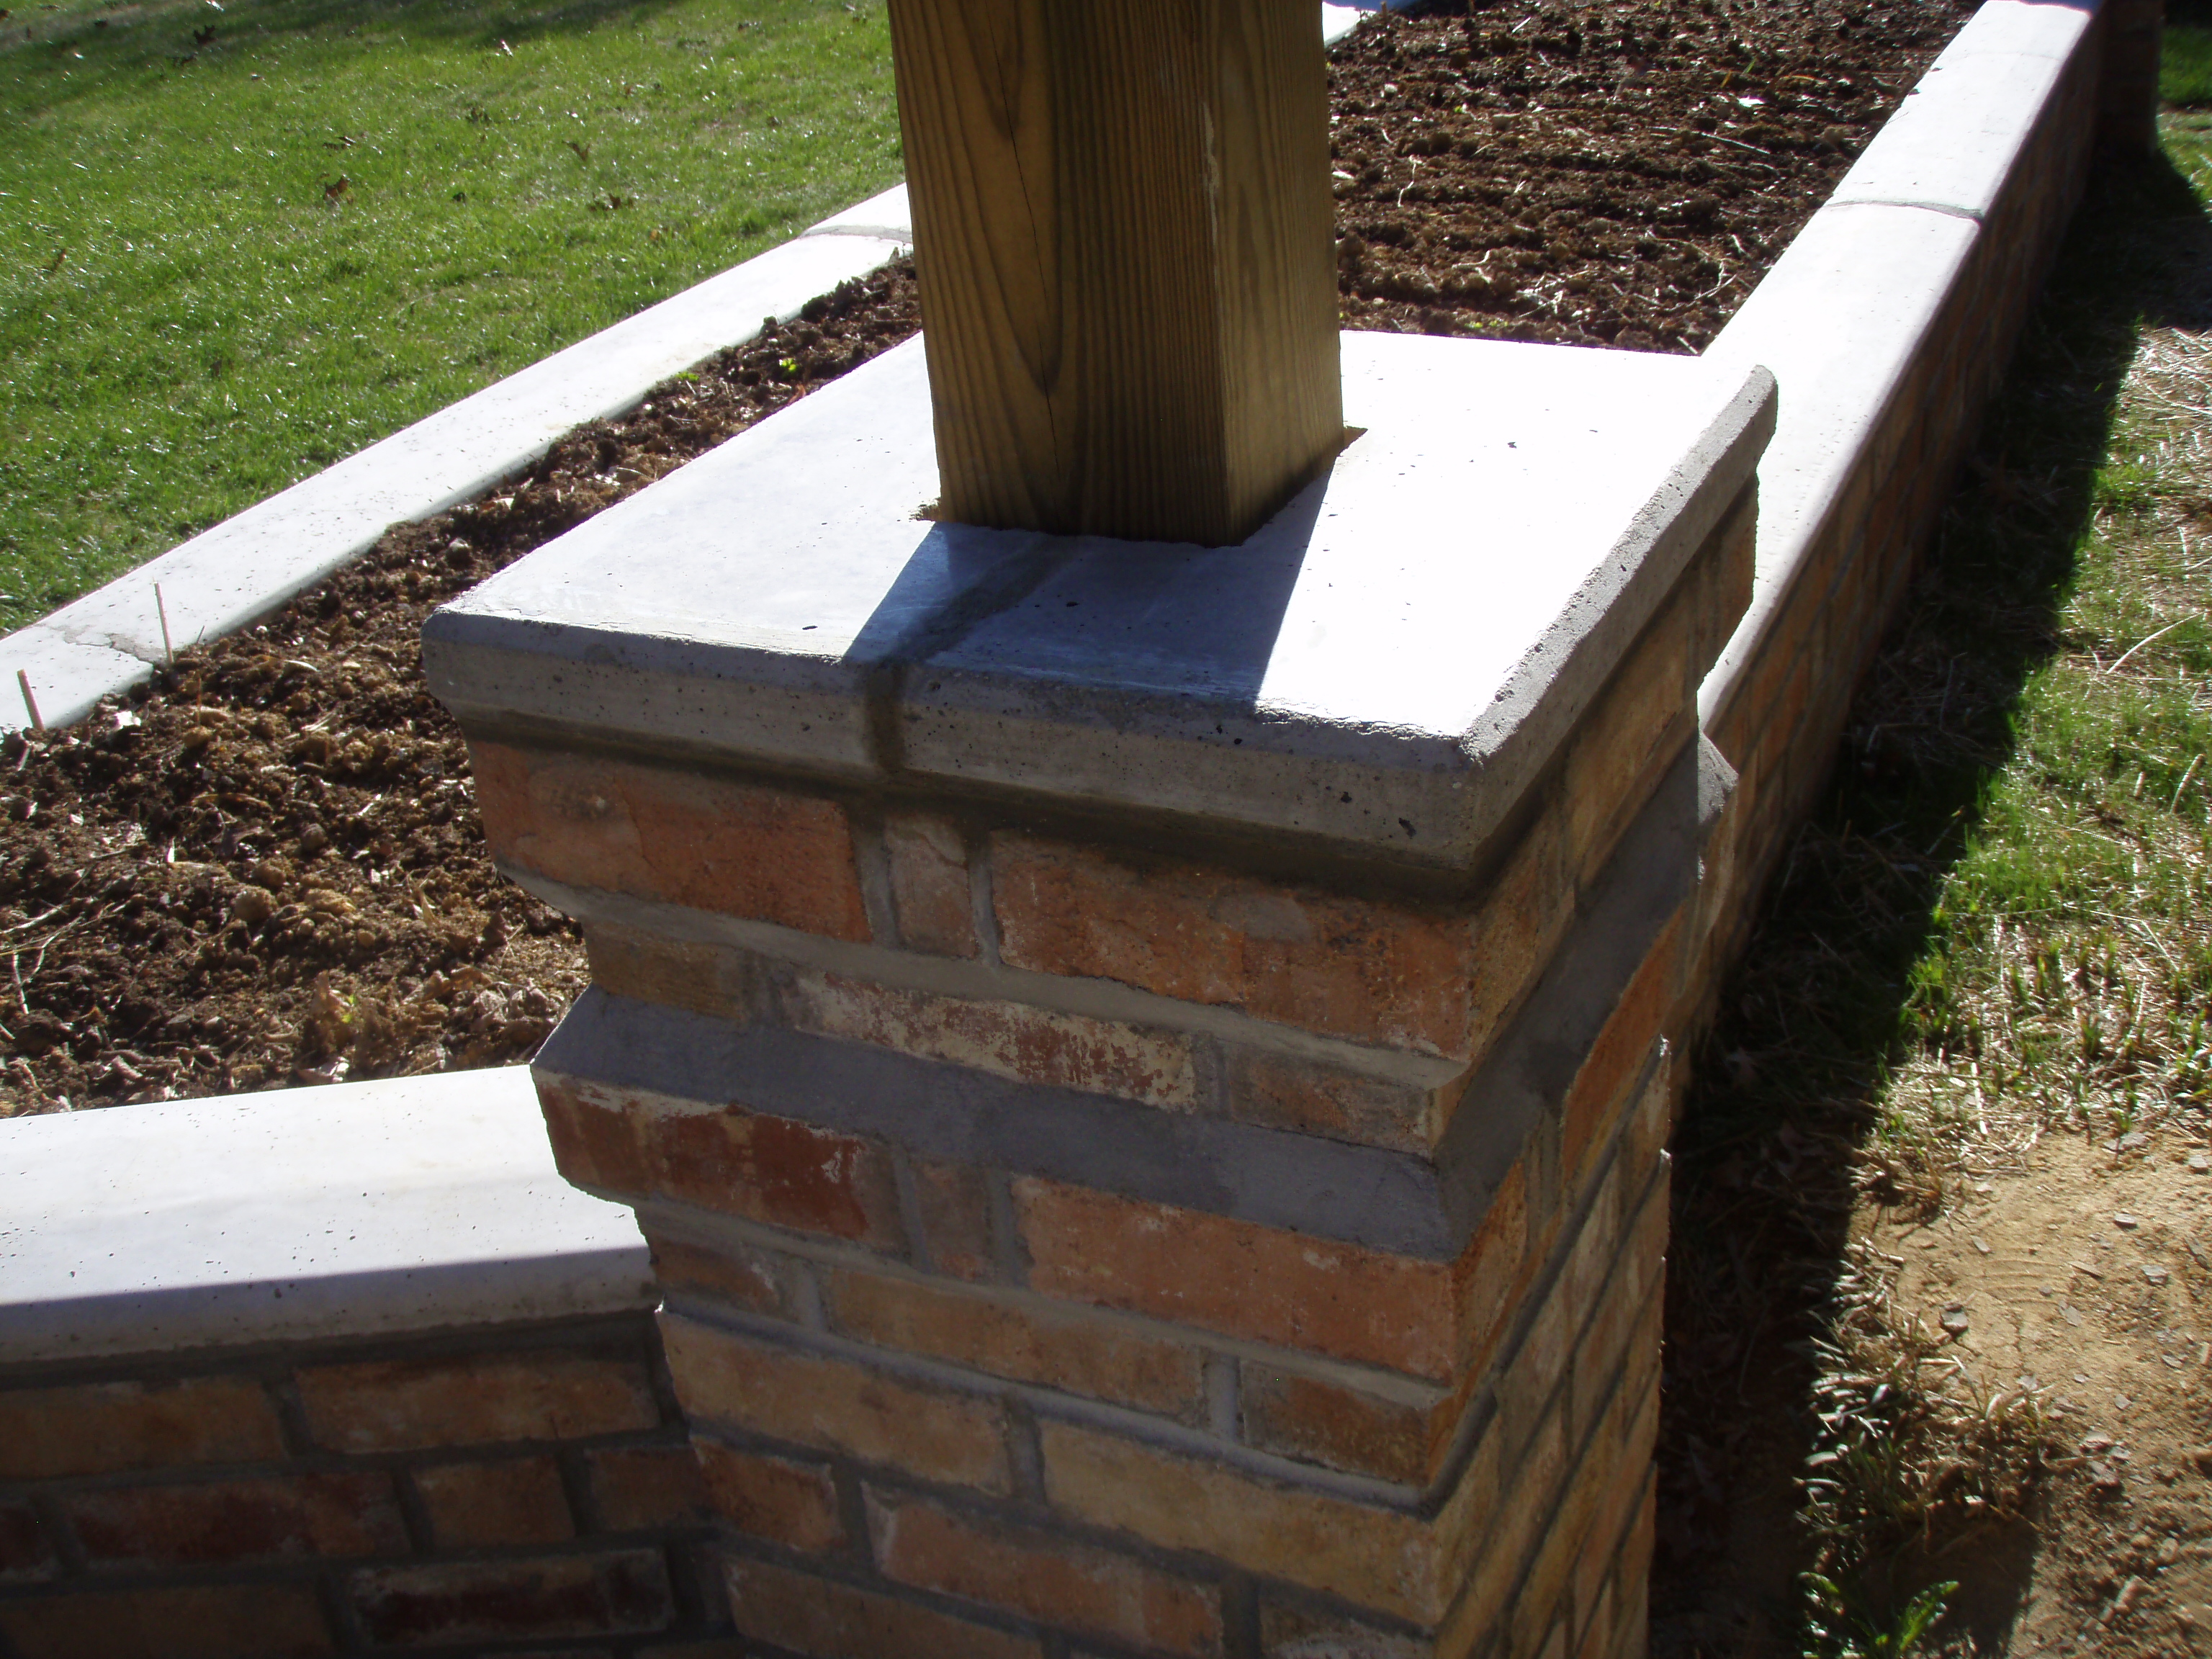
(267, 868)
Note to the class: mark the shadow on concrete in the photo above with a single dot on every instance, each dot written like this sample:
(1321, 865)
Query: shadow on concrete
(1783, 1098)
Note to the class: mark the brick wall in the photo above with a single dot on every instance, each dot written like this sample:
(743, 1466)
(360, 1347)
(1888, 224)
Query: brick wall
(489, 1492)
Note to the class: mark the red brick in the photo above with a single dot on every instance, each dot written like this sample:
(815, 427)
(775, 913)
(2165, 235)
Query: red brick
(1376, 971)
(1491, 1273)
(1073, 1586)
(99, 1428)
(731, 1272)
(680, 838)
(1006, 1039)
(929, 885)
(1398, 1436)
(645, 1488)
(515, 1500)
(216, 1621)
(1237, 1278)
(298, 1516)
(825, 1620)
(546, 1596)
(410, 1405)
(954, 1201)
(25, 1553)
(935, 1434)
(1080, 1353)
(1311, 1098)
(779, 1498)
(1600, 1089)
(770, 1169)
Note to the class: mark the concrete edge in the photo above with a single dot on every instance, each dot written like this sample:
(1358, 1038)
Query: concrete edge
(416, 1204)
(1796, 506)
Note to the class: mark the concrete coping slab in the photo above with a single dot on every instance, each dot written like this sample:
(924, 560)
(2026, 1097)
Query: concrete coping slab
(1377, 672)
(408, 1205)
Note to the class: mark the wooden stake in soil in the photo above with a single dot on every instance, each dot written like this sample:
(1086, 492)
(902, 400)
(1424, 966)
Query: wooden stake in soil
(1123, 233)
(169, 656)
(23, 679)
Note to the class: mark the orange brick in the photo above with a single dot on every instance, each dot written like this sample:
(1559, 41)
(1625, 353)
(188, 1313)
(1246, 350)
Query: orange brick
(1377, 1558)
(515, 1500)
(954, 1201)
(645, 1488)
(300, 1515)
(1600, 1090)
(1081, 1353)
(26, 1556)
(1071, 1585)
(1376, 971)
(1517, 1524)
(825, 1620)
(1006, 1039)
(99, 1428)
(770, 1169)
(699, 979)
(1399, 1435)
(215, 1621)
(1491, 1273)
(778, 1498)
(1315, 1099)
(681, 837)
(833, 1405)
(929, 885)
(1237, 1278)
(411, 1405)
(732, 1273)
(1640, 720)
(544, 1596)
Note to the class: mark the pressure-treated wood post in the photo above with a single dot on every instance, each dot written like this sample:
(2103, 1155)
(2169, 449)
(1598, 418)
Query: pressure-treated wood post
(1122, 222)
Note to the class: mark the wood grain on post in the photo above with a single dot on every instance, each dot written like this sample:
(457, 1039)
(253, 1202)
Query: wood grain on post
(1123, 226)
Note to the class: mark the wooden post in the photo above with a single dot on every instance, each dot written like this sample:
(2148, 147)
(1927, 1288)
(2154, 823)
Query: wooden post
(1123, 226)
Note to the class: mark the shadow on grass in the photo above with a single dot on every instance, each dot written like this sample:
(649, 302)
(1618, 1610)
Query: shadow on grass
(1782, 1128)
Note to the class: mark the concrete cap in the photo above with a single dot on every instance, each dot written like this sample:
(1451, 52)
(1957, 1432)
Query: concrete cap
(1379, 670)
(412, 1205)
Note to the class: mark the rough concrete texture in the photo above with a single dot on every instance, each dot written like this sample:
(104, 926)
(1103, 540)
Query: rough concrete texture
(1378, 671)
(409, 1204)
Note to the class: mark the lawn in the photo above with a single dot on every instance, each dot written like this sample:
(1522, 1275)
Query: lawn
(240, 241)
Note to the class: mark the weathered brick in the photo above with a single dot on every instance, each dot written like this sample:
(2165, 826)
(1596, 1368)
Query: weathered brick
(1639, 722)
(645, 1488)
(1492, 1272)
(680, 838)
(1600, 1089)
(826, 1620)
(624, 1593)
(1377, 1558)
(1065, 1349)
(1073, 1586)
(215, 1621)
(1376, 971)
(1006, 1039)
(1311, 1098)
(25, 1553)
(99, 1428)
(729, 1271)
(513, 1500)
(929, 885)
(814, 1399)
(1514, 1525)
(765, 1169)
(676, 972)
(1400, 1435)
(274, 1519)
(1237, 1278)
(1301, 1633)
(955, 1202)
(411, 1405)
(779, 1498)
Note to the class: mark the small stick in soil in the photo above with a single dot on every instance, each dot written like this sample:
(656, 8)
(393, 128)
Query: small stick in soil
(23, 679)
(168, 655)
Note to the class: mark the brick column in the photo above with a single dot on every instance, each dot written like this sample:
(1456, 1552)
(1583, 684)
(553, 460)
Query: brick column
(1151, 1136)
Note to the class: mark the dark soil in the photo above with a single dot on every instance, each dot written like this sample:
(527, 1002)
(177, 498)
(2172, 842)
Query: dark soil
(267, 867)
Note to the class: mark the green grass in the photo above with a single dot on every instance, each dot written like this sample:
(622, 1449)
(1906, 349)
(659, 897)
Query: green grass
(2185, 57)
(193, 315)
